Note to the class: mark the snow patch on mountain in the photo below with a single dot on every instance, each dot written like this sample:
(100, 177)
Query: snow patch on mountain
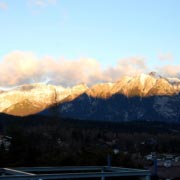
(173, 80)
(143, 78)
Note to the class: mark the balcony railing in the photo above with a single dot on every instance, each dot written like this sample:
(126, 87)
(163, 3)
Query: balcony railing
(75, 172)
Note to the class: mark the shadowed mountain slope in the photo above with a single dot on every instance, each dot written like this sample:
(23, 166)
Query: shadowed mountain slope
(144, 96)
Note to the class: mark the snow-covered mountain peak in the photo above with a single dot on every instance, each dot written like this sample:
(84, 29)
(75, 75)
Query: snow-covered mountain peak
(143, 77)
(41, 96)
(80, 87)
(155, 75)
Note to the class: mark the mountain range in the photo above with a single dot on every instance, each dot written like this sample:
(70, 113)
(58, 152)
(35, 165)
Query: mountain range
(141, 97)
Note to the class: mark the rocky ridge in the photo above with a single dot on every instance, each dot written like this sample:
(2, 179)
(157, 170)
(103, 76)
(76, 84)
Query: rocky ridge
(33, 98)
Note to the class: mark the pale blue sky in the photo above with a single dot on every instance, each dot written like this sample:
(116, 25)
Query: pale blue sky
(106, 30)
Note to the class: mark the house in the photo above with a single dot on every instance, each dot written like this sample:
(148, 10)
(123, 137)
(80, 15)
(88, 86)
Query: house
(167, 168)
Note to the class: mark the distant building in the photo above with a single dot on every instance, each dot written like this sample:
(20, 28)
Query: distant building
(167, 163)
(167, 167)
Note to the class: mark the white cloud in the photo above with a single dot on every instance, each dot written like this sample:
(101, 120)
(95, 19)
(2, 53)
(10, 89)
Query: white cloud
(3, 5)
(21, 67)
(165, 56)
(170, 70)
(24, 67)
(128, 66)
(52, 1)
(41, 3)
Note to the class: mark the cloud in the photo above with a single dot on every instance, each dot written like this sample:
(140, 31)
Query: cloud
(3, 6)
(17, 68)
(165, 56)
(24, 67)
(170, 70)
(21, 67)
(52, 1)
(128, 66)
(41, 3)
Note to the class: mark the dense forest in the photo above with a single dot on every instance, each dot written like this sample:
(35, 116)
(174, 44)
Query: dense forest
(40, 141)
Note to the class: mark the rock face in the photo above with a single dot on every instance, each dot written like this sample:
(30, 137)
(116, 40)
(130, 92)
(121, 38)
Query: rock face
(141, 97)
(103, 90)
(31, 99)
(27, 99)
(144, 85)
